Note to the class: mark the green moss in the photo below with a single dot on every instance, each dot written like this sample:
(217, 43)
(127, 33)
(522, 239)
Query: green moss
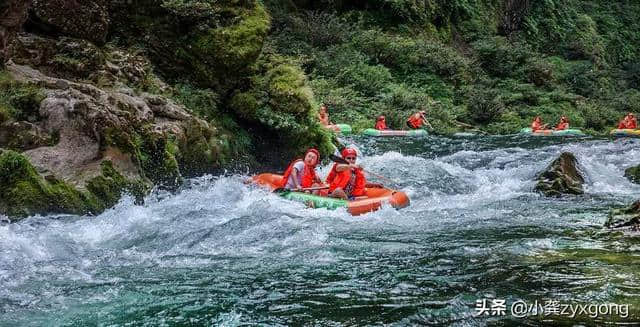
(109, 187)
(26, 193)
(19, 101)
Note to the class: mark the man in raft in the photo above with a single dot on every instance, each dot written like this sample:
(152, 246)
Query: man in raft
(537, 124)
(323, 116)
(416, 120)
(628, 122)
(301, 173)
(563, 124)
(347, 181)
(381, 123)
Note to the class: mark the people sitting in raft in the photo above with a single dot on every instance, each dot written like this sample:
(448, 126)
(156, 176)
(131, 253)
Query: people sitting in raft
(381, 123)
(323, 116)
(416, 120)
(563, 124)
(347, 181)
(301, 173)
(537, 124)
(628, 122)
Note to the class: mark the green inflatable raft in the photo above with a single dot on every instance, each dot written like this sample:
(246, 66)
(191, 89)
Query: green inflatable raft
(385, 133)
(318, 201)
(550, 132)
(345, 129)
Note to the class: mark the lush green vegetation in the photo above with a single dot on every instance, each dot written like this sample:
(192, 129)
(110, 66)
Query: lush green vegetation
(494, 64)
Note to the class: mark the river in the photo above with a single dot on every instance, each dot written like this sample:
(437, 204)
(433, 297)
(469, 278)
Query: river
(223, 253)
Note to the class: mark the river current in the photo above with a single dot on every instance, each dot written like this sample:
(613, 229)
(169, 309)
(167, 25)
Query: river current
(220, 252)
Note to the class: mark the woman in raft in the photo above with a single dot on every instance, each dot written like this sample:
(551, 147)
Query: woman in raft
(301, 173)
(381, 123)
(416, 120)
(537, 124)
(628, 122)
(323, 116)
(347, 181)
(563, 124)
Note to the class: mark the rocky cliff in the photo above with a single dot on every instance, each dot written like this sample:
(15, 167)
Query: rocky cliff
(99, 97)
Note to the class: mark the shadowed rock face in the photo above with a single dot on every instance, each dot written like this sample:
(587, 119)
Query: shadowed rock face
(86, 19)
(13, 13)
(633, 174)
(628, 216)
(561, 177)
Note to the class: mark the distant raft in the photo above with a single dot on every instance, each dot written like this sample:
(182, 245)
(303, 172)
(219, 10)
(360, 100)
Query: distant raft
(551, 132)
(345, 129)
(625, 133)
(386, 133)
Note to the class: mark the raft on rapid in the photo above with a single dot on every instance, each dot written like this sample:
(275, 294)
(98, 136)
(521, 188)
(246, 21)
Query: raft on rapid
(551, 132)
(373, 200)
(345, 129)
(625, 132)
(383, 133)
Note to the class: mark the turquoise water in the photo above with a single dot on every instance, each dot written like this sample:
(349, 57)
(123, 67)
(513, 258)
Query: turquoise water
(224, 253)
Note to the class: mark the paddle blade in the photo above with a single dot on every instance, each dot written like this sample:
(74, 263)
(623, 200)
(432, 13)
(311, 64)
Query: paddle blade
(337, 159)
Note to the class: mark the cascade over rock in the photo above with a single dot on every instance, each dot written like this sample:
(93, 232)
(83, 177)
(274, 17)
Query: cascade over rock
(561, 177)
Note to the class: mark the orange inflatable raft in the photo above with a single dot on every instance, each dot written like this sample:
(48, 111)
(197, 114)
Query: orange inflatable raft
(373, 200)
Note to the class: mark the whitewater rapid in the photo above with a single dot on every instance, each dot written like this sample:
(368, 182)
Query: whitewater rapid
(224, 252)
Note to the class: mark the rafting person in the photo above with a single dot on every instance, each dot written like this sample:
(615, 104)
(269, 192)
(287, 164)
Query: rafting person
(537, 124)
(347, 181)
(416, 120)
(563, 124)
(630, 121)
(323, 116)
(301, 173)
(381, 123)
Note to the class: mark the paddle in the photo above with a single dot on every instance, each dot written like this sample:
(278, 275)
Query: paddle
(282, 189)
(337, 159)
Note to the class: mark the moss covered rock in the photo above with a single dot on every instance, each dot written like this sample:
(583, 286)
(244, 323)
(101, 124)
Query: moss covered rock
(87, 19)
(623, 217)
(633, 174)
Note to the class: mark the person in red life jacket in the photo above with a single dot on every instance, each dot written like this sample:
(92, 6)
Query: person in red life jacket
(537, 124)
(416, 120)
(301, 173)
(563, 124)
(347, 181)
(323, 117)
(631, 121)
(623, 123)
(381, 123)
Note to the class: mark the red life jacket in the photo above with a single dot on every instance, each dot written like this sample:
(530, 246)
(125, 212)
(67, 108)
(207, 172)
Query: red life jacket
(632, 124)
(562, 126)
(332, 174)
(381, 125)
(622, 125)
(351, 181)
(415, 121)
(536, 126)
(308, 175)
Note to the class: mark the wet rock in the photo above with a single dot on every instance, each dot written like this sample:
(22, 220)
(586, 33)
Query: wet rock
(633, 174)
(624, 217)
(561, 177)
(86, 19)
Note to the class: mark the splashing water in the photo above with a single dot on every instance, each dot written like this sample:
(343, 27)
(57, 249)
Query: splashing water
(223, 253)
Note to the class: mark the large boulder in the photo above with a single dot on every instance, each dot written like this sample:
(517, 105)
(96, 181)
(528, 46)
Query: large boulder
(13, 13)
(624, 217)
(86, 19)
(633, 174)
(561, 177)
